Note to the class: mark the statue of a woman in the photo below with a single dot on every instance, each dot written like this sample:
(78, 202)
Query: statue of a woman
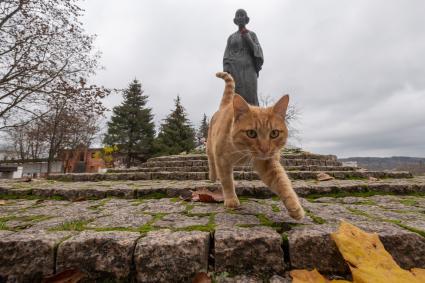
(243, 58)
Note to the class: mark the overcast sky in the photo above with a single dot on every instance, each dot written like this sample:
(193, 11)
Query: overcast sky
(354, 69)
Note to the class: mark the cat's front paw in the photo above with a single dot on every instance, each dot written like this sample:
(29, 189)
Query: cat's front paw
(232, 202)
(297, 213)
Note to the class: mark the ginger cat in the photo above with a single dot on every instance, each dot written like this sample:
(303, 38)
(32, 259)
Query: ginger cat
(239, 133)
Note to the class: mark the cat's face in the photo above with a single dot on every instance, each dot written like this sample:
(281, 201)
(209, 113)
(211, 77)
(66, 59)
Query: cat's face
(260, 132)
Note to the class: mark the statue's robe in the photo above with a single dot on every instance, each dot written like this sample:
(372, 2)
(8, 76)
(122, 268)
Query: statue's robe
(244, 63)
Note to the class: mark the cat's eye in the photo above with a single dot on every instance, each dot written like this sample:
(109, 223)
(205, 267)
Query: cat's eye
(251, 134)
(274, 134)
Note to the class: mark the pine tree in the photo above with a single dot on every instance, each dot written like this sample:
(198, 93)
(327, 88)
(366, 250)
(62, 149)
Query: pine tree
(131, 127)
(203, 130)
(176, 132)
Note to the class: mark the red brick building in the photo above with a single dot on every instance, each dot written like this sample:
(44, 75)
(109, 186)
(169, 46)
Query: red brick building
(82, 160)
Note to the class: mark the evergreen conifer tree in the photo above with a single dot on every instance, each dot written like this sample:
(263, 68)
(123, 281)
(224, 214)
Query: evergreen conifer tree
(203, 130)
(176, 133)
(131, 127)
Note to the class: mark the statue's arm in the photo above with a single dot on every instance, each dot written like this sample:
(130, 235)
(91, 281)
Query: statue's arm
(255, 46)
(226, 57)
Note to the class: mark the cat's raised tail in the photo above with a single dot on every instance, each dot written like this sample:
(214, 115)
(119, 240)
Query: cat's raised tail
(229, 89)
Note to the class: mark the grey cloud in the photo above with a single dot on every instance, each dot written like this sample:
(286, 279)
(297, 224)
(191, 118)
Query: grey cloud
(355, 68)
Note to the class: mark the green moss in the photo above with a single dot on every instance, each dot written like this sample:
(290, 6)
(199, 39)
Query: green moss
(126, 229)
(358, 212)
(155, 195)
(275, 208)
(411, 229)
(175, 199)
(3, 225)
(265, 221)
(99, 205)
(75, 225)
(285, 236)
(409, 202)
(315, 218)
(343, 194)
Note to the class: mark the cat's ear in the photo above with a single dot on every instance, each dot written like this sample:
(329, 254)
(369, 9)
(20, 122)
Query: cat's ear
(240, 106)
(281, 106)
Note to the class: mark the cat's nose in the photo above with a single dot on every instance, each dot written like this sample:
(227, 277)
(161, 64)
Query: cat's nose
(264, 149)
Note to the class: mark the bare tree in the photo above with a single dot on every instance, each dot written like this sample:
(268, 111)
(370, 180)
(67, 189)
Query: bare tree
(43, 52)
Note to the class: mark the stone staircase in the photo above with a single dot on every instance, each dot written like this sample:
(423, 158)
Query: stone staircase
(300, 166)
(125, 228)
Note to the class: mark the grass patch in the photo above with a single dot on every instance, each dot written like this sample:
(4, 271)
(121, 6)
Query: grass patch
(411, 229)
(3, 226)
(275, 208)
(125, 229)
(99, 205)
(75, 225)
(155, 195)
(358, 212)
(316, 219)
(312, 197)
(409, 202)
(175, 200)
(265, 221)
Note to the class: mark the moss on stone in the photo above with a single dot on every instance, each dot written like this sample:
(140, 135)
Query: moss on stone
(275, 208)
(74, 225)
(265, 221)
(409, 202)
(316, 219)
(358, 212)
(343, 194)
(404, 226)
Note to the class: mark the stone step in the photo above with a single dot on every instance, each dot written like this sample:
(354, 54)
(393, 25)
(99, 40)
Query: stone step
(236, 168)
(238, 175)
(168, 240)
(196, 163)
(165, 188)
(204, 157)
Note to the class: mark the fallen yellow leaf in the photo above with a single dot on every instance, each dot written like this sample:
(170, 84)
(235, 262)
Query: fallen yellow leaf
(2, 202)
(367, 258)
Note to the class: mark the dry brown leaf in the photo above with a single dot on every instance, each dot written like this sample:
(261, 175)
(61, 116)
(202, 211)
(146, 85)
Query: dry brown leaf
(67, 276)
(205, 195)
(2, 202)
(324, 177)
(201, 277)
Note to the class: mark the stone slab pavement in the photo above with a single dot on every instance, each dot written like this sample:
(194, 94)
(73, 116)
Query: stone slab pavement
(166, 239)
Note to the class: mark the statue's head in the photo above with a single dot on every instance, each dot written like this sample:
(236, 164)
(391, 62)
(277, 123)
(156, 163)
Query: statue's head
(241, 18)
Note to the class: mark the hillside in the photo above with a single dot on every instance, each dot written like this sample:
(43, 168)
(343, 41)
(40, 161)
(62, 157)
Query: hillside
(416, 165)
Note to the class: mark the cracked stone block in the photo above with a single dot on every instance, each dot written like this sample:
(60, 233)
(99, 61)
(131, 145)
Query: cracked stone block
(180, 221)
(255, 250)
(120, 219)
(165, 256)
(312, 247)
(28, 257)
(98, 254)
(230, 220)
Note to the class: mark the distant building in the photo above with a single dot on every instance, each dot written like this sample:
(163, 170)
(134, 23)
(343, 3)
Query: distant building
(82, 160)
(12, 169)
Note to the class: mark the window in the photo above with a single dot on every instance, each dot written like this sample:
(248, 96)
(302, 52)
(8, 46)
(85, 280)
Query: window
(82, 156)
